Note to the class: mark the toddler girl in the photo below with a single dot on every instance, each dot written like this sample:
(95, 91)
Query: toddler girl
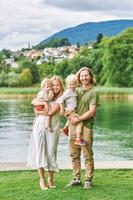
(45, 95)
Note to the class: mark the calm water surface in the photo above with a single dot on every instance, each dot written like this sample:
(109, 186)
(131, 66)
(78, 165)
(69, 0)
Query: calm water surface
(113, 131)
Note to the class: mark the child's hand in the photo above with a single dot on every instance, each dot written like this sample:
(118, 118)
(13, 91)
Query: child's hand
(49, 113)
(46, 109)
(74, 119)
(45, 113)
(38, 112)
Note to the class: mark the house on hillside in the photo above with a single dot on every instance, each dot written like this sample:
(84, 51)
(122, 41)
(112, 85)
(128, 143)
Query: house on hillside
(16, 54)
(11, 62)
(33, 53)
(58, 54)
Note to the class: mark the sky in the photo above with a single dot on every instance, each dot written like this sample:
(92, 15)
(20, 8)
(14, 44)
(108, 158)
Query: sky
(32, 21)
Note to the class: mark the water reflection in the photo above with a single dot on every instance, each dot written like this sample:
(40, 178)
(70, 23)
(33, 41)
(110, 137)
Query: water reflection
(113, 131)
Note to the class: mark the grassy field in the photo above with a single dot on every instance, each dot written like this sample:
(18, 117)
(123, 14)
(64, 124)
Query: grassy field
(108, 185)
(35, 89)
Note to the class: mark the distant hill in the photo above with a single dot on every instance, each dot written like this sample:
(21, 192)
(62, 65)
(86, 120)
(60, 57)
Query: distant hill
(88, 31)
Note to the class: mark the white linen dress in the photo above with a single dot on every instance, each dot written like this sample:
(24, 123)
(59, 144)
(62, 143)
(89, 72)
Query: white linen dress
(43, 144)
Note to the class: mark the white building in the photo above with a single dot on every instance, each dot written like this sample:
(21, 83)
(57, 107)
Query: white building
(11, 62)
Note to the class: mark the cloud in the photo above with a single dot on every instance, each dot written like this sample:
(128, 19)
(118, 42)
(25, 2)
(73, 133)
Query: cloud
(91, 5)
(23, 21)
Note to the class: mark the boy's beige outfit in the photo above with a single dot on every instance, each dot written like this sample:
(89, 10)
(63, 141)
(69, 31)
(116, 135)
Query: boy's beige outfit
(69, 99)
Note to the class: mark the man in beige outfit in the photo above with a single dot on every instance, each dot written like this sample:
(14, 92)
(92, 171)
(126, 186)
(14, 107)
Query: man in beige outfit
(88, 100)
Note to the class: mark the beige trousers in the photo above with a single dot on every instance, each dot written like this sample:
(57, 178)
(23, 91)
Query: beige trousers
(76, 150)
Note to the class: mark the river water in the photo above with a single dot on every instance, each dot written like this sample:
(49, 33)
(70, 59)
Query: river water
(113, 131)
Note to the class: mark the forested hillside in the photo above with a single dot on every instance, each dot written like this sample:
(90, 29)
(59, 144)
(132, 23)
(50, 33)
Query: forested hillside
(86, 32)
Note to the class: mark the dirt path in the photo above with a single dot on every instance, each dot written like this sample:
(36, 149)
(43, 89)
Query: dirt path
(65, 165)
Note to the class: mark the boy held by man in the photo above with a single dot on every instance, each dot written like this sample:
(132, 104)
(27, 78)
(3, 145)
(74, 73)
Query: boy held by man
(68, 104)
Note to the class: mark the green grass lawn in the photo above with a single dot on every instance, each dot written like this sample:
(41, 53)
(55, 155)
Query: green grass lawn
(108, 185)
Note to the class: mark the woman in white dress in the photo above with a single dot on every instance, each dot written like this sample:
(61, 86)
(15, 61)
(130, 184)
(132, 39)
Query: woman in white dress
(43, 144)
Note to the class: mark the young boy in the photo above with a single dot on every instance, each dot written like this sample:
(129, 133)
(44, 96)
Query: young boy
(68, 104)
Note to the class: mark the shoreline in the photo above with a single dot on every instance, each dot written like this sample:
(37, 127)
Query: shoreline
(128, 97)
(106, 92)
(12, 166)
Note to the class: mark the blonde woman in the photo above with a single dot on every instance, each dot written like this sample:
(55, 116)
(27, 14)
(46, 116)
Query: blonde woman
(43, 144)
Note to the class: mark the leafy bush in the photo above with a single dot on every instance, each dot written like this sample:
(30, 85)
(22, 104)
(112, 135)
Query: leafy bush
(26, 78)
(3, 79)
(13, 79)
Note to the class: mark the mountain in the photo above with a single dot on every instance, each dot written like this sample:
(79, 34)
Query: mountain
(88, 31)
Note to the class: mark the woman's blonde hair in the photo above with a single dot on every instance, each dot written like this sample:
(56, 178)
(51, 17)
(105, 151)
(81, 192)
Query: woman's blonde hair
(85, 69)
(44, 82)
(71, 77)
(57, 78)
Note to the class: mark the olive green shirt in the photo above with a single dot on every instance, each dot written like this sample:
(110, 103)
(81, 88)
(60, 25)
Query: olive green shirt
(85, 98)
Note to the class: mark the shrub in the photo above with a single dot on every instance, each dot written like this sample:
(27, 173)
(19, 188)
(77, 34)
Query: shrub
(3, 79)
(13, 79)
(25, 77)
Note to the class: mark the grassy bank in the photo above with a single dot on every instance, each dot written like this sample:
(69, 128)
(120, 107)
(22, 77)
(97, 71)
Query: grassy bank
(19, 91)
(108, 185)
(34, 90)
(115, 90)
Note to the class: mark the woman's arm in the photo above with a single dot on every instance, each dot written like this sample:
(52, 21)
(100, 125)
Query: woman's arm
(35, 102)
(39, 112)
(62, 112)
(54, 108)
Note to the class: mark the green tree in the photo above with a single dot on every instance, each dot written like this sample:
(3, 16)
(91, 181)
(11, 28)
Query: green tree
(3, 79)
(54, 42)
(118, 60)
(13, 79)
(29, 64)
(62, 68)
(99, 38)
(78, 45)
(46, 70)
(26, 77)
(3, 66)
(6, 53)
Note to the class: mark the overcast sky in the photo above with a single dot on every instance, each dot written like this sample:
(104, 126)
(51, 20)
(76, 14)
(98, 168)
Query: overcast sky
(23, 21)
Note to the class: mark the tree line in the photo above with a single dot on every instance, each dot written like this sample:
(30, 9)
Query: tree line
(110, 58)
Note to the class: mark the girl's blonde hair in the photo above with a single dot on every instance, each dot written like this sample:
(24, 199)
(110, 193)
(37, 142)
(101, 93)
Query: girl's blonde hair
(90, 72)
(57, 78)
(71, 77)
(44, 82)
